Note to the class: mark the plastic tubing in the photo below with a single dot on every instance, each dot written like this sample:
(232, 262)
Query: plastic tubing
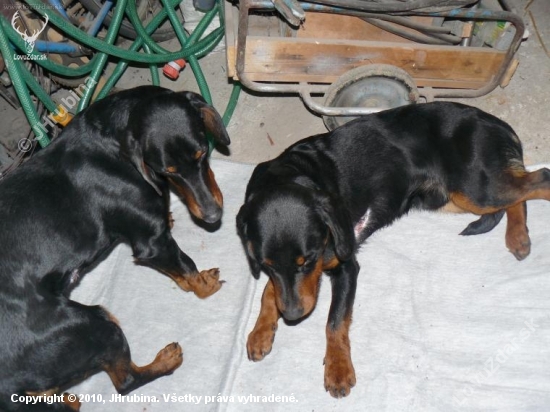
(112, 34)
(59, 7)
(22, 91)
(103, 47)
(193, 61)
(155, 78)
(98, 21)
(32, 83)
(209, 43)
(192, 48)
(55, 47)
(41, 59)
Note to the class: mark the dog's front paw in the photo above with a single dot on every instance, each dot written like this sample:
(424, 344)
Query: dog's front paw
(518, 242)
(168, 359)
(260, 342)
(203, 284)
(339, 375)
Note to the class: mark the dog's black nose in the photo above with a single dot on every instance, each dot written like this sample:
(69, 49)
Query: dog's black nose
(212, 216)
(293, 313)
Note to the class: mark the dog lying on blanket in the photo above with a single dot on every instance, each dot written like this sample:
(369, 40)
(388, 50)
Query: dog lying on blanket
(307, 211)
(105, 179)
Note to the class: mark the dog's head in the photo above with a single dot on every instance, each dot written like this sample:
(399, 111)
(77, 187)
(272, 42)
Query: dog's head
(285, 233)
(167, 138)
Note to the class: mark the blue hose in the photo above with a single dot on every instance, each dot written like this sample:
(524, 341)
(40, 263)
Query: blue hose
(56, 4)
(55, 47)
(98, 21)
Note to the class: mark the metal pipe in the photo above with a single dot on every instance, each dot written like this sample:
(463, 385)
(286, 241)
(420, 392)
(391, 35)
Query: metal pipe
(305, 94)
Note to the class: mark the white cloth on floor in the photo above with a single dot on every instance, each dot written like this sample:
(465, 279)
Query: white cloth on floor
(441, 322)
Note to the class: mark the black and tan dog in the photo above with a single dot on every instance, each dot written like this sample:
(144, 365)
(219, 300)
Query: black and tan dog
(307, 211)
(106, 179)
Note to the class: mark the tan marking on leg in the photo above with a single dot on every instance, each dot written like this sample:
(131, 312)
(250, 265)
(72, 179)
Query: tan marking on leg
(339, 371)
(260, 340)
(203, 284)
(166, 362)
(517, 234)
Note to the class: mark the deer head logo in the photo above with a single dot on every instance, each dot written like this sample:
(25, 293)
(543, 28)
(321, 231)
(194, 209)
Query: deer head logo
(29, 40)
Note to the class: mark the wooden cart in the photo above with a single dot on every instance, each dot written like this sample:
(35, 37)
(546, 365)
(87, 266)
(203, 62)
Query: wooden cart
(335, 49)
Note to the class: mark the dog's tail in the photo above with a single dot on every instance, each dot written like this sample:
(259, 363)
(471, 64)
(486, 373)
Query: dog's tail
(484, 224)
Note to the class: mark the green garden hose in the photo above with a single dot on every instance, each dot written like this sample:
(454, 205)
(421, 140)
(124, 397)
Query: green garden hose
(155, 79)
(208, 44)
(37, 90)
(22, 91)
(112, 34)
(114, 51)
(193, 61)
(191, 49)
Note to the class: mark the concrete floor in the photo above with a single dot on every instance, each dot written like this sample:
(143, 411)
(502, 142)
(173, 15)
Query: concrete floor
(263, 125)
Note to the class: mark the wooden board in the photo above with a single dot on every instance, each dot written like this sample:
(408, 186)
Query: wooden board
(323, 61)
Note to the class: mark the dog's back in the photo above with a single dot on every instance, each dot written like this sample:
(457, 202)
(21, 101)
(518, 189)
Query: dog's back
(410, 157)
(58, 200)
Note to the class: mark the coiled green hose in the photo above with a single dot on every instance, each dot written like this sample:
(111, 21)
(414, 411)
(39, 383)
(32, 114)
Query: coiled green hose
(22, 91)
(192, 49)
(112, 34)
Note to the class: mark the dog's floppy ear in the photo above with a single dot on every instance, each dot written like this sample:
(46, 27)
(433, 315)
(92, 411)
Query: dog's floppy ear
(131, 149)
(247, 244)
(339, 222)
(210, 117)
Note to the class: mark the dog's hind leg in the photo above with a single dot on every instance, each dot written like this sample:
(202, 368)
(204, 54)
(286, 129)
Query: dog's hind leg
(510, 194)
(517, 233)
(114, 356)
(163, 253)
(80, 341)
(127, 376)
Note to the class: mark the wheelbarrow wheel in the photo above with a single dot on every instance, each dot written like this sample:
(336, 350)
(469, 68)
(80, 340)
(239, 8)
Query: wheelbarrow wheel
(375, 85)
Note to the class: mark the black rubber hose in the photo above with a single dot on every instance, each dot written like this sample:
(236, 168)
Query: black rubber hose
(428, 37)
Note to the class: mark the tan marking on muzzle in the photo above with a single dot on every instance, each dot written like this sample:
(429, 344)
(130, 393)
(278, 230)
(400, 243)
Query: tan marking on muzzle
(190, 201)
(213, 187)
(308, 290)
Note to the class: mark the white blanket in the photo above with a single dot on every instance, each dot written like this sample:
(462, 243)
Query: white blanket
(441, 322)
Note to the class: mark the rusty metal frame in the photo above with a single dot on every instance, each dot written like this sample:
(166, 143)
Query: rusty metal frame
(306, 90)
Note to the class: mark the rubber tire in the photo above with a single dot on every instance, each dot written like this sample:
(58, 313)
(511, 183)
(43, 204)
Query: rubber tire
(392, 75)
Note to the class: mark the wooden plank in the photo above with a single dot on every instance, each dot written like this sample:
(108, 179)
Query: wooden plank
(324, 60)
(231, 21)
(332, 26)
